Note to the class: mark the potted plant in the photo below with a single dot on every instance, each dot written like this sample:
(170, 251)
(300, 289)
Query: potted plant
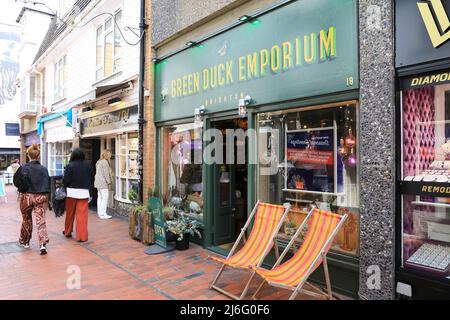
(139, 218)
(183, 227)
(289, 228)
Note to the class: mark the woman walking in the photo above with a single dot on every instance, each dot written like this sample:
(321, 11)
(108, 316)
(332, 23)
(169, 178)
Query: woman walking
(102, 182)
(33, 183)
(77, 179)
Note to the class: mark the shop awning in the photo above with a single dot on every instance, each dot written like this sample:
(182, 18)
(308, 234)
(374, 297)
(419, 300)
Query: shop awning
(52, 116)
(103, 90)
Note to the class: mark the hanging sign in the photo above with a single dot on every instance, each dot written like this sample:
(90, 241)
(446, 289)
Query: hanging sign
(312, 154)
(311, 147)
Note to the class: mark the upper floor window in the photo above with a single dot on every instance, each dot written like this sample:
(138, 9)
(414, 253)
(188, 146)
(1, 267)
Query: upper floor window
(108, 47)
(60, 79)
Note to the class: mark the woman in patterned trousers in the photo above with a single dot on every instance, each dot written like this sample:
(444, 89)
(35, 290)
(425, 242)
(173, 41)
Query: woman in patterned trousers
(33, 183)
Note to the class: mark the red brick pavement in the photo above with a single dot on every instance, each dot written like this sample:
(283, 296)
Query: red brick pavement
(112, 265)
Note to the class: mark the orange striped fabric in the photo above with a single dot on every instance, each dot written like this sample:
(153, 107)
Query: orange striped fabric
(266, 220)
(290, 273)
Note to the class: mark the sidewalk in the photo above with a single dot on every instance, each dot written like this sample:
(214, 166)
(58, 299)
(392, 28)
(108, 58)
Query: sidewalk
(112, 265)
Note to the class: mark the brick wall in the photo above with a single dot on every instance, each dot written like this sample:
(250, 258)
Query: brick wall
(149, 127)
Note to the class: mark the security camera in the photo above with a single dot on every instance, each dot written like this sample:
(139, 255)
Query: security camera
(245, 102)
(199, 113)
(202, 110)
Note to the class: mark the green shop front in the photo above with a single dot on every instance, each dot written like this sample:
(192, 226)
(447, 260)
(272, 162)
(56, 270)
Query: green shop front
(279, 92)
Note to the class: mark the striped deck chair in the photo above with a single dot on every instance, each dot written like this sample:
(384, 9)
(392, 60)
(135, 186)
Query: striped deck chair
(293, 273)
(267, 223)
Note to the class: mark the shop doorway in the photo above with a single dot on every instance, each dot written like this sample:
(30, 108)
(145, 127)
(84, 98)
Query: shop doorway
(230, 184)
(91, 149)
(109, 143)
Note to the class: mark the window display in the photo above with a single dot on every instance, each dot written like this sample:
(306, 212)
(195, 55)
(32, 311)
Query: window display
(127, 176)
(181, 174)
(426, 179)
(58, 157)
(308, 157)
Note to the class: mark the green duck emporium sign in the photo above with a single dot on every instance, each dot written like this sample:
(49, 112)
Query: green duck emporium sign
(303, 49)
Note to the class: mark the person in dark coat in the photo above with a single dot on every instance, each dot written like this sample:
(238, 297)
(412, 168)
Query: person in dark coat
(33, 183)
(78, 179)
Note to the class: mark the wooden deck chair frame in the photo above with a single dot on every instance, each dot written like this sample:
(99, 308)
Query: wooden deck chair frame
(263, 256)
(317, 292)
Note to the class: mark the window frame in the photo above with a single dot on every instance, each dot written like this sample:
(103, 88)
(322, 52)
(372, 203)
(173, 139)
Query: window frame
(118, 156)
(352, 194)
(100, 68)
(52, 155)
(59, 78)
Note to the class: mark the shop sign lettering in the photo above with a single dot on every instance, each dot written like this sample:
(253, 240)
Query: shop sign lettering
(110, 121)
(435, 189)
(431, 189)
(305, 48)
(309, 49)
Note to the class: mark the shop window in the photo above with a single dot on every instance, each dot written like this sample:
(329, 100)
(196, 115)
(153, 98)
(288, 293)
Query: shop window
(108, 46)
(60, 74)
(127, 177)
(425, 184)
(58, 157)
(181, 169)
(309, 157)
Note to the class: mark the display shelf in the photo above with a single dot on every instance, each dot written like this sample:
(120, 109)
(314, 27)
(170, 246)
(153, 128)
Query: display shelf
(298, 242)
(433, 204)
(299, 200)
(315, 192)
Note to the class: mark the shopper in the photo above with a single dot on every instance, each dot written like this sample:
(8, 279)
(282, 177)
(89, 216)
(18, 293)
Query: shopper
(77, 179)
(15, 165)
(102, 183)
(33, 183)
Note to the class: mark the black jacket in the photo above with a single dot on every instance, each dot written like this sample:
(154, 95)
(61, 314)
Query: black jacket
(38, 178)
(78, 175)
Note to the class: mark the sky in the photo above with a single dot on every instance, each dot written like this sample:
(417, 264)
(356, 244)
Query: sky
(10, 9)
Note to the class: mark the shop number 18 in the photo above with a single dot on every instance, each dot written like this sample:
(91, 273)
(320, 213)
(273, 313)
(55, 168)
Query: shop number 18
(350, 81)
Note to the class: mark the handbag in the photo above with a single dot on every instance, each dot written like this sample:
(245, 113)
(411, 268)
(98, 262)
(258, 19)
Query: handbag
(60, 193)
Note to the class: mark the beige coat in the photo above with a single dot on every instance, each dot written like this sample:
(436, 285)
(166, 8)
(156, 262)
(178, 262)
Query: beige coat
(103, 175)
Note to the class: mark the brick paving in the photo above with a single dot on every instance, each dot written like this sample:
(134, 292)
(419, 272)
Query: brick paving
(112, 265)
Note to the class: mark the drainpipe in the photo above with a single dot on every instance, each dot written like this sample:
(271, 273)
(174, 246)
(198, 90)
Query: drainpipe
(141, 121)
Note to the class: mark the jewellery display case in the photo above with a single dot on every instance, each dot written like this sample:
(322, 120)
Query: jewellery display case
(425, 181)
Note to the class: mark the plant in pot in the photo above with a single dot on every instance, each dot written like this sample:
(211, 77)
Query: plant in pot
(183, 227)
(289, 228)
(139, 218)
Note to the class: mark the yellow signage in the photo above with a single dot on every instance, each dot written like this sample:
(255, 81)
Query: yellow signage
(443, 77)
(280, 57)
(432, 27)
(435, 189)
